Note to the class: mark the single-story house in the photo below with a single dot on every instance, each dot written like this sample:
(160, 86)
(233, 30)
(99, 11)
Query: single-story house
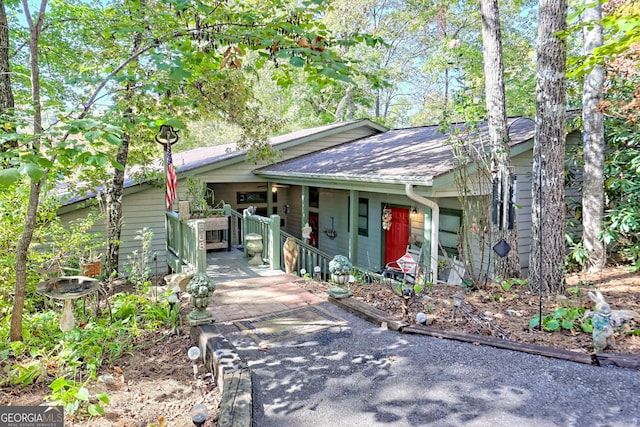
(327, 173)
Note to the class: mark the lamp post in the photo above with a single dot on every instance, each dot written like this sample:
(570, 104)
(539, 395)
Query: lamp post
(199, 414)
(193, 354)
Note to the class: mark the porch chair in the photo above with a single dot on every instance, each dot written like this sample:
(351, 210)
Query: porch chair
(406, 268)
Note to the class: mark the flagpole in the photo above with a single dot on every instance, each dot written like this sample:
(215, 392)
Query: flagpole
(167, 136)
(166, 173)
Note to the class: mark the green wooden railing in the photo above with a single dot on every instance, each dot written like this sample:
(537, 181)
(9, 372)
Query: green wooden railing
(186, 243)
(310, 259)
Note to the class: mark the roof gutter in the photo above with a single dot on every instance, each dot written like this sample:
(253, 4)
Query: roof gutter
(435, 225)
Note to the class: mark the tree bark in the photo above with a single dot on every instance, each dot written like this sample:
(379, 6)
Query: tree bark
(115, 192)
(114, 209)
(594, 145)
(509, 266)
(546, 270)
(6, 94)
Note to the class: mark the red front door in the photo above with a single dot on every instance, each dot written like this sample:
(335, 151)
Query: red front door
(397, 237)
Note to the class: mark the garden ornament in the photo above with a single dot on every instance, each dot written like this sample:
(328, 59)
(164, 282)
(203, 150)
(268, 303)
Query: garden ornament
(290, 250)
(602, 329)
(387, 216)
(306, 231)
(340, 268)
(200, 289)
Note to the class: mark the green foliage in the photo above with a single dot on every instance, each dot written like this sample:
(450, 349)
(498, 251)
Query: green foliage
(46, 351)
(138, 262)
(63, 247)
(507, 284)
(562, 318)
(340, 265)
(163, 313)
(27, 372)
(127, 307)
(75, 397)
(622, 30)
(576, 253)
(201, 198)
(105, 84)
(407, 289)
(49, 355)
(622, 189)
(574, 291)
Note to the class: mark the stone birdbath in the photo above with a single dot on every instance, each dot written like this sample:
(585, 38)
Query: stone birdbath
(68, 289)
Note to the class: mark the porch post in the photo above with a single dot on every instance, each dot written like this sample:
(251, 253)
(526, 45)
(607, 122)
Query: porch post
(270, 189)
(274, 242)
(353, 226)
(305, 207)
(426, 248)
(201, 247)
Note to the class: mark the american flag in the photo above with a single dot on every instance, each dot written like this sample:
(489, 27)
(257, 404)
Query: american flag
(172, 180)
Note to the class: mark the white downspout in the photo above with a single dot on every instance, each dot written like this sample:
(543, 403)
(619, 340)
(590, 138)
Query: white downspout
(435, 225)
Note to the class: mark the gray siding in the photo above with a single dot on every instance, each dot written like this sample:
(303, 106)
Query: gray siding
(522, 166)
(146, 208)
(142, 209)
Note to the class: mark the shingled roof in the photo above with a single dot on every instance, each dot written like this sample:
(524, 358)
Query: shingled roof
(412, 155)
(185, 161)
(204, 156)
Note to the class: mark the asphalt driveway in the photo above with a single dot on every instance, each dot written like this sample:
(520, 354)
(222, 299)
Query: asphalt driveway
(360, 375)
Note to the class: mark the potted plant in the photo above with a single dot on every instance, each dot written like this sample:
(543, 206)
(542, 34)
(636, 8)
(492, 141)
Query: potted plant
(91, 265)
(200, 198)
(340, 267)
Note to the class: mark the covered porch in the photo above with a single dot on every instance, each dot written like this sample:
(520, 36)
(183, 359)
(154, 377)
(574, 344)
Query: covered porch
(189, 246)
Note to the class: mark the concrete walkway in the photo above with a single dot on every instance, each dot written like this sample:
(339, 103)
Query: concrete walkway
(357, 374)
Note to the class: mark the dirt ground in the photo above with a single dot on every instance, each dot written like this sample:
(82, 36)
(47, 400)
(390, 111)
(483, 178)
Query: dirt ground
(154, 385)
(507, 313)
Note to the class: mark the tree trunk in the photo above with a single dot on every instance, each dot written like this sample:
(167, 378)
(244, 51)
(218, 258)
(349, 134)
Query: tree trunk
(508, 266)
(546, 270)
(594, 145)
(344, 111)
(6, 94)
(114, 194)
(15, 331)
(114, 209)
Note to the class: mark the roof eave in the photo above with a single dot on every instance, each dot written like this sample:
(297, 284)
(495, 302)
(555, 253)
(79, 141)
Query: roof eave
(369, 178)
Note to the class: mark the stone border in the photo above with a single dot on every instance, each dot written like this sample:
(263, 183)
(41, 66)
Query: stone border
(379, 317)
(231, 374)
